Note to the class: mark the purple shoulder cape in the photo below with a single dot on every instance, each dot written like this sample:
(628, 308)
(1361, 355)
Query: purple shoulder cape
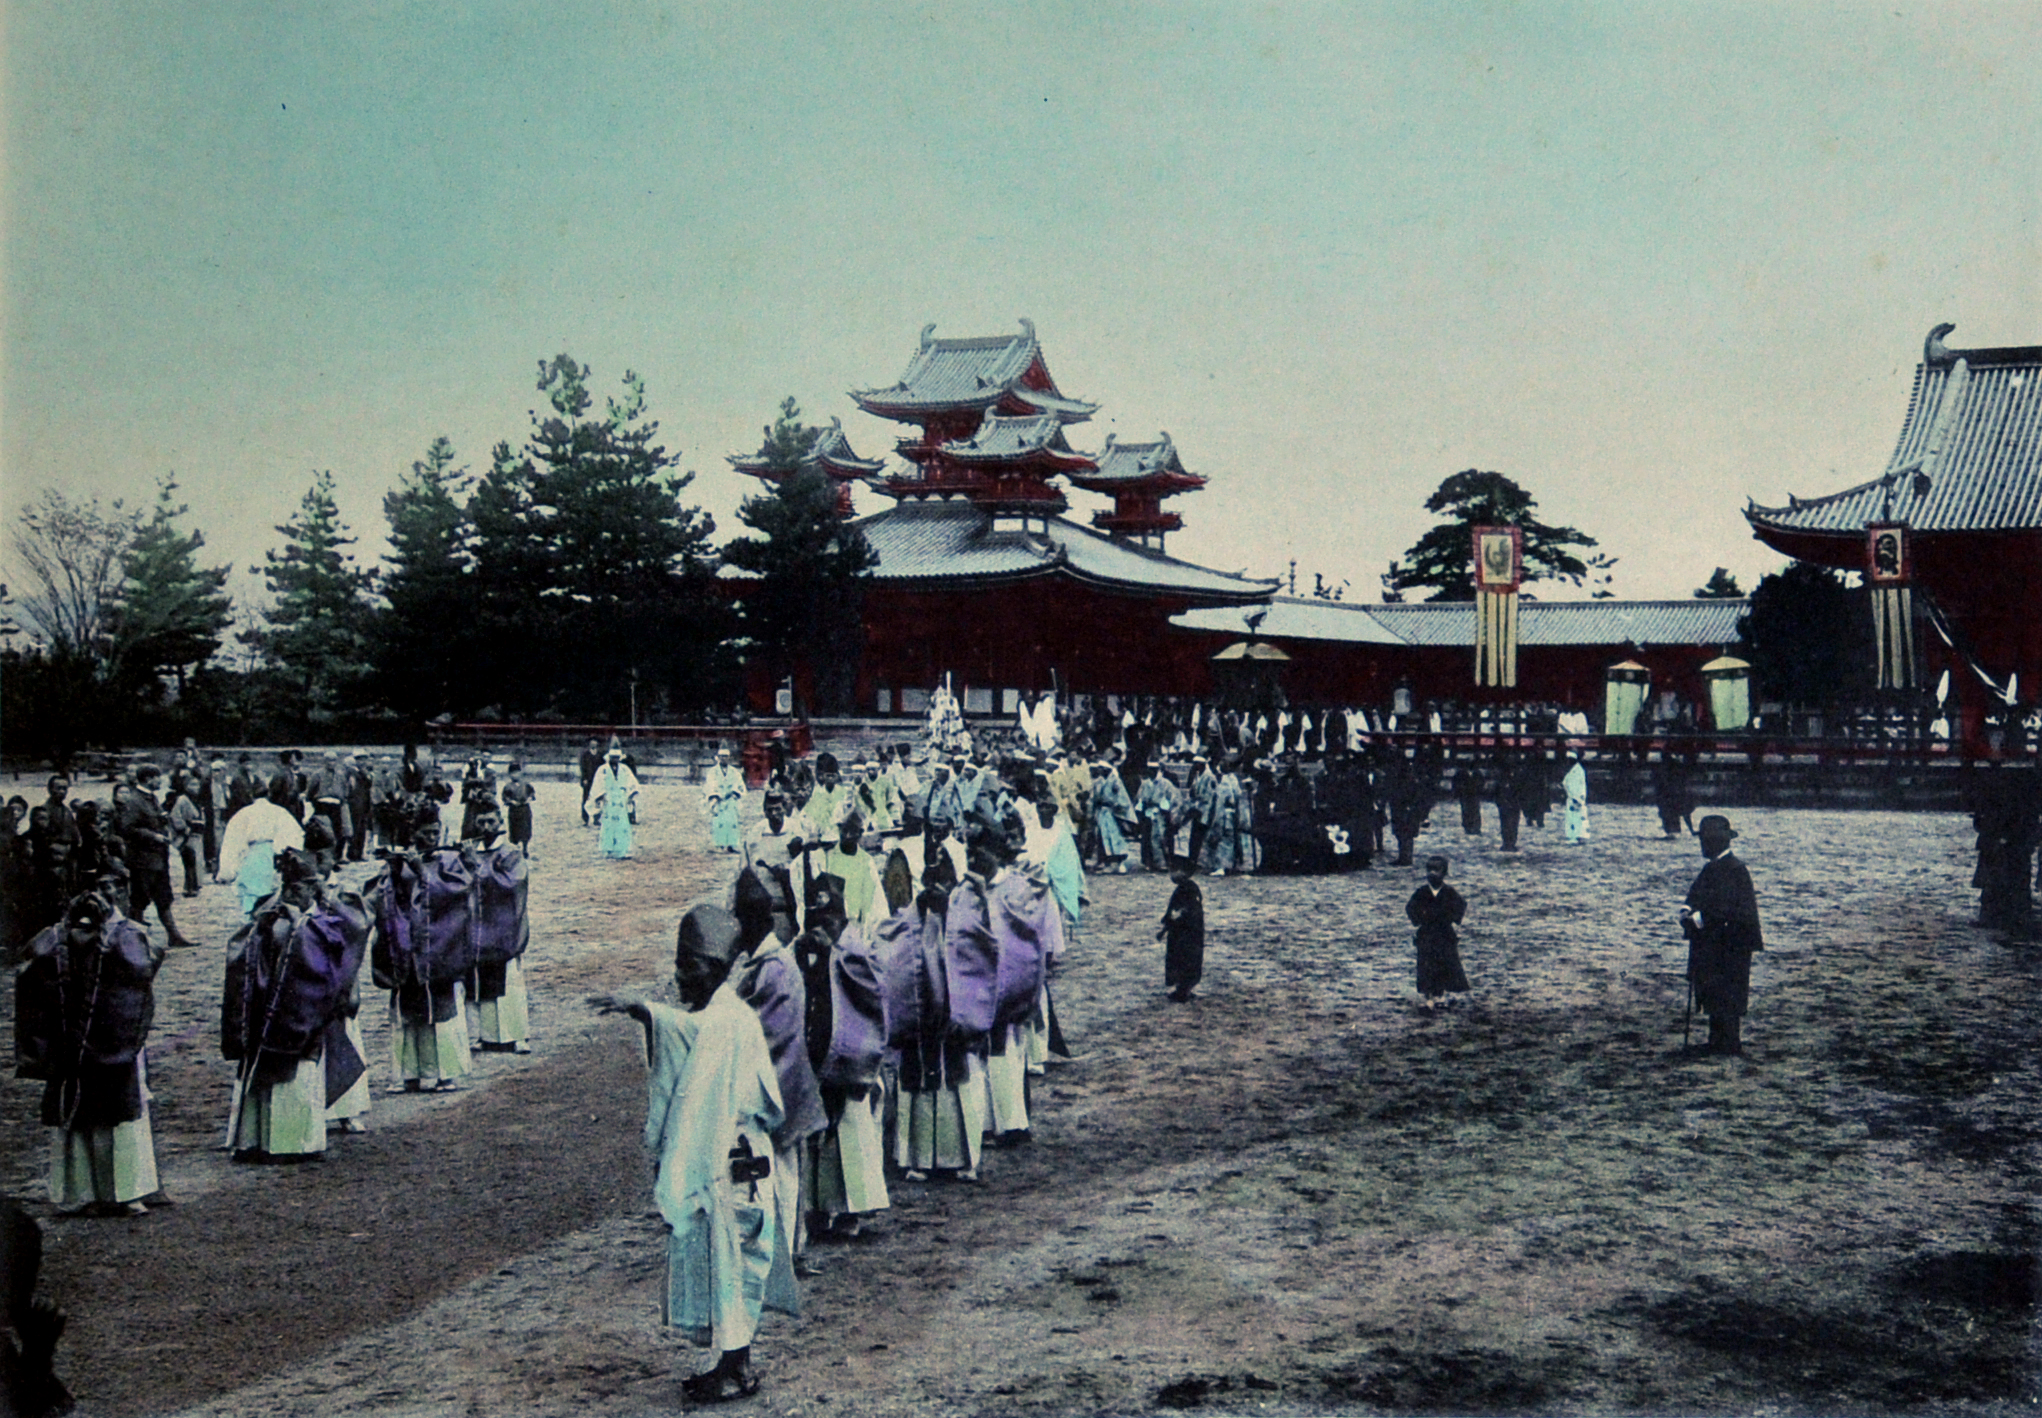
(1022, 907)
(858, 1032)
(770, 982)
(971, 959)
(289, 976)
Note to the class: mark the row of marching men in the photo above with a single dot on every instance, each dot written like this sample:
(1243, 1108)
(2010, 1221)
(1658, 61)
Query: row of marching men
(906, 996)
(838, 995)
(442, 929)
(438, 926)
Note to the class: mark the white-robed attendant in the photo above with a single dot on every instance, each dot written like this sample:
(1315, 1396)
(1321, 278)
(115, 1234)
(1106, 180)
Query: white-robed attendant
(713, 1105)
(1575, 787)
(253, 839)
(723, 793)
(613, 801)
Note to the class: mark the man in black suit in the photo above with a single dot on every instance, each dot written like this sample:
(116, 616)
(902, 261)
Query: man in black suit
(1721, 922)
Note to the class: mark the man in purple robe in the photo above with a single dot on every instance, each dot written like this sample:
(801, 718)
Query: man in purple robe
(83, 1005)
(846, 1043)
(424, 948)
(498, 878)
(292, 975)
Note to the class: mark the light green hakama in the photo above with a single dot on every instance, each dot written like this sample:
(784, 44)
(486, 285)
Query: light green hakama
(107, 1164)
(429, 1054)
(286, 1118)
(850, 1164)
(506, 1020)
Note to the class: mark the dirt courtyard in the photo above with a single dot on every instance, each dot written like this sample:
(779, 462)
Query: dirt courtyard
(1299, 1193)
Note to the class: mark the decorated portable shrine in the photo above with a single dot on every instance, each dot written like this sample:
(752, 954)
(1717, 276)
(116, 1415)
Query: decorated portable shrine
(1948, 538)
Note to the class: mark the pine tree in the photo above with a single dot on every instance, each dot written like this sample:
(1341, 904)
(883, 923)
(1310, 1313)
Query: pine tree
(422, 639)
(804, 614)
(170, 614)
(1443, 560)
(316, 632)
(586, 555)
(1721, 586)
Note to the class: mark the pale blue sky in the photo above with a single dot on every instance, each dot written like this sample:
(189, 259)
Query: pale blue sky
(1645, 259)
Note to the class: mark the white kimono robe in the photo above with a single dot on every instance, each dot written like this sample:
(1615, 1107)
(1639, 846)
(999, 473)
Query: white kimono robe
(1575, 786)
(712, 1084)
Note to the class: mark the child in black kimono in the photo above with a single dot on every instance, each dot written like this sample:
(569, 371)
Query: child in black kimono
(1436, 908)
(1183, 934)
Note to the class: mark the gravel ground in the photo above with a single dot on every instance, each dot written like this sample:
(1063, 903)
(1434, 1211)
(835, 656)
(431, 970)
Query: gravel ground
(1299, 1193)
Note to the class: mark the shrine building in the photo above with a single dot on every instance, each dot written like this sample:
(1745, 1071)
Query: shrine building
(1953, 525)
(981, 577)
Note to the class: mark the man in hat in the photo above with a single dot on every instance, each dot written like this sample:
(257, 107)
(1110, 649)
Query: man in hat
(613, 796)
(292, 980)
(590, 764)
(83, 1005)
(713, 1107)
(877, 799)
(145, 834)
(831, 799)
(767, 977)
(1721, 924)
(361, 798)
(722, 795)
(1112, 815)
(1205, 788)
(945, 808)
(1155, 808)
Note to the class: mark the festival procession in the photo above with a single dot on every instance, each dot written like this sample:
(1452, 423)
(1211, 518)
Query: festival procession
(1021, 710)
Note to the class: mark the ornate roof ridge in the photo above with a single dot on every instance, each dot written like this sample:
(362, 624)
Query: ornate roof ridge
(1936, 354)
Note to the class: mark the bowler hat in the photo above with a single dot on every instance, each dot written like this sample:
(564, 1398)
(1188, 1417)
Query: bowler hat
(1715, 823)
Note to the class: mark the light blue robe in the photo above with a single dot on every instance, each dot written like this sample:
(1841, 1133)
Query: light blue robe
(723, 792)
(615, 786)
(1575, 786)
(1110, 810)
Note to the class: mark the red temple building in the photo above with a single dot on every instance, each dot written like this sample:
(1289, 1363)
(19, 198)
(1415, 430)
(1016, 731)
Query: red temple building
(1961, 502)
(980, 576)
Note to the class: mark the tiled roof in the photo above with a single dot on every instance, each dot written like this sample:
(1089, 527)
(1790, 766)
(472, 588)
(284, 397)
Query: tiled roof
(1000, 438)
(1291, 618)
(952, 540)
(967, 374)
(831, 451)
(1140, 462)
(1452, 623)
(1969, 456)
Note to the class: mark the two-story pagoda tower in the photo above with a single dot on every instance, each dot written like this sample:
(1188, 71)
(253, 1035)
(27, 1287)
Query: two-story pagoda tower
(1138, 476)
(989, 423)
(830, 455)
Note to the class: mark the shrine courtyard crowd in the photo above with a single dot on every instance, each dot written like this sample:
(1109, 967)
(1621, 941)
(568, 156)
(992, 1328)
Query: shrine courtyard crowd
(869, 995)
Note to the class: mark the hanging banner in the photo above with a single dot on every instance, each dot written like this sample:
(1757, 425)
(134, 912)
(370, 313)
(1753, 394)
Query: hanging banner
(1499, 568)
(1888, 573)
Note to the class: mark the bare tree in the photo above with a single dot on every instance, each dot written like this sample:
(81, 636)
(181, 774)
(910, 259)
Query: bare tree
(73, 552)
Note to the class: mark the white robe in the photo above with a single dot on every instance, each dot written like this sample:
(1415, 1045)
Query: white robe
(712, 1083)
